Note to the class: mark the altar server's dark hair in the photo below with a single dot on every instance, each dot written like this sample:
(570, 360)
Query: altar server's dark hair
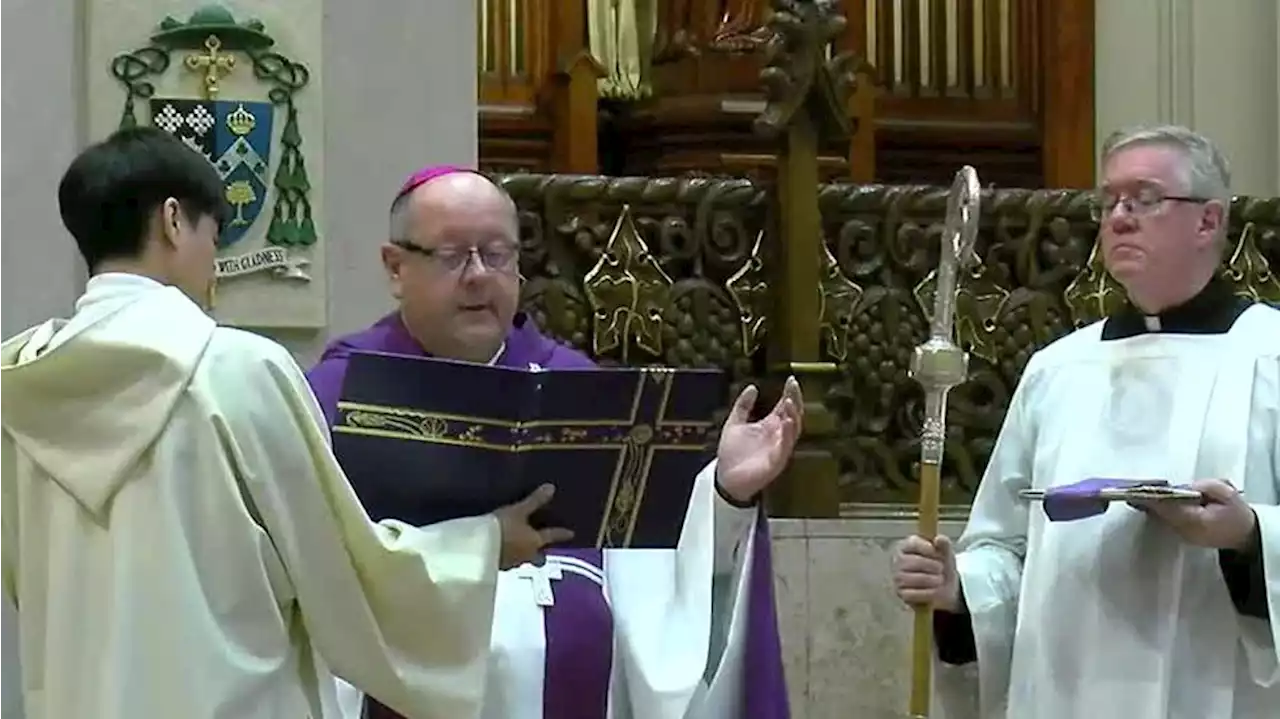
(110, 191)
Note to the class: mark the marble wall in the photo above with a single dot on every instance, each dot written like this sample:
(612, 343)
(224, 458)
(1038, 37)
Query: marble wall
(1212, 66)
(846, 638)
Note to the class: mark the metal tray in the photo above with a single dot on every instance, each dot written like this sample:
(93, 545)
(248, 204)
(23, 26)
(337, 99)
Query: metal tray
(1153, 493)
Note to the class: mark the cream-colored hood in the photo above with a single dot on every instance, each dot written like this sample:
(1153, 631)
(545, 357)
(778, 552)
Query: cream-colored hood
(85, 398)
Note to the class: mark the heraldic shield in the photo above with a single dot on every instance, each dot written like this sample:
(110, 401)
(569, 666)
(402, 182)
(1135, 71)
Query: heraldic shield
(235, 135)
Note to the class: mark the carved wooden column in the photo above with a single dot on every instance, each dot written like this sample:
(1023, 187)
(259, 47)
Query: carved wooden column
(572, 92)
(806, 102)
(706, 94)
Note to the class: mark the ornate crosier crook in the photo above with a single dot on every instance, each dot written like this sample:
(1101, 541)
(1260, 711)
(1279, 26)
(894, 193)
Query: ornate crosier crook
(939, 365)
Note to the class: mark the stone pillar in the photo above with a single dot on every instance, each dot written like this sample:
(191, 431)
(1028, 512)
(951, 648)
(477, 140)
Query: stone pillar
(1212, 66)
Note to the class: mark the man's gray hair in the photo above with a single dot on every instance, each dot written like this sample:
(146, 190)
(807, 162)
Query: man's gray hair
(1206, 171)
(399, 216)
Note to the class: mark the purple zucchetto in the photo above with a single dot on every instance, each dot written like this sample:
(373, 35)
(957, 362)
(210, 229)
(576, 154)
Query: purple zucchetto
(427, 174)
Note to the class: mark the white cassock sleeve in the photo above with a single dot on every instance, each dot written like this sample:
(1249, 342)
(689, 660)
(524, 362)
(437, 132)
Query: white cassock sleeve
(1261, 637)
(680, 616)
(731, 598)
(992, 548)
(661, 603)
(404, 613)
(732, 523)
(733, 530)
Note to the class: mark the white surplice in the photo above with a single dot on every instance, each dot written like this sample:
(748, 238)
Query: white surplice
(180, 542)
(1114, 615)
(680, 619)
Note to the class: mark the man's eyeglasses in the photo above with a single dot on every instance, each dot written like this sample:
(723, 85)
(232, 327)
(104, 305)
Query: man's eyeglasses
(1145, 201)
(498, 257)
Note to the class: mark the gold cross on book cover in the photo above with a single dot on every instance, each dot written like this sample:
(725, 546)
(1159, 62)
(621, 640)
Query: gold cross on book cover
(426, 440)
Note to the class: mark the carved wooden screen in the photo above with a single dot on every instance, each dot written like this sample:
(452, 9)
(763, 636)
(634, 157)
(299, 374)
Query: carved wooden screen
(643, 270)
(1004, 85)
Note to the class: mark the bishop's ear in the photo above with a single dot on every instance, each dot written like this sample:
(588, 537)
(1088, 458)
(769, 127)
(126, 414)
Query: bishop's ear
(392, 259)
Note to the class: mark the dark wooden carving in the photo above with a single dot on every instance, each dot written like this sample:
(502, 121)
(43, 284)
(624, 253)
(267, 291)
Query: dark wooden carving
(706, 96)
(538, 99)
(1004, 86)
(1016, 102)
(701, 249)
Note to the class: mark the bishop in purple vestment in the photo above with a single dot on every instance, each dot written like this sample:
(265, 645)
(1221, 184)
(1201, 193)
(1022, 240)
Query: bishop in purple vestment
(689, 633)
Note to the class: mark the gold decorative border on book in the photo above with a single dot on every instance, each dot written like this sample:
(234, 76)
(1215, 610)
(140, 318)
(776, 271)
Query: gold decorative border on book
(636, 438)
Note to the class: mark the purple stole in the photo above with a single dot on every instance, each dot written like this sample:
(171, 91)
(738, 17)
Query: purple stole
(579, 634)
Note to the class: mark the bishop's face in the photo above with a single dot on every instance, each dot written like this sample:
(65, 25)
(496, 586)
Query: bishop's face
(456, 272)
(1154, 233)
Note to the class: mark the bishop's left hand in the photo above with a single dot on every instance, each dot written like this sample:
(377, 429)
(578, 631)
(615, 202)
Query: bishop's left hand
(1222, 519)
(753, 454)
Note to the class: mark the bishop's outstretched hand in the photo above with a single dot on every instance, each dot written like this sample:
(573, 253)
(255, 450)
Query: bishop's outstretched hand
(753, 454)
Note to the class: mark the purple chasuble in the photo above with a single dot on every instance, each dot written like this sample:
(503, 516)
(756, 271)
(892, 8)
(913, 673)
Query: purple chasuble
(525, 345)
(579, 626)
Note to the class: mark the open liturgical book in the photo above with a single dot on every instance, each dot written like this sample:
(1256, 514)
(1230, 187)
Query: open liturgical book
(427, 440)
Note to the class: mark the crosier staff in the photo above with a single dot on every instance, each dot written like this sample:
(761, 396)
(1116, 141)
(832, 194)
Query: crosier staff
(939, 365)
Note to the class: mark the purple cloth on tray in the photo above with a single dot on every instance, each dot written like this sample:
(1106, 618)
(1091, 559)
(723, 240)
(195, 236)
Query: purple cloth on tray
(1083, 499)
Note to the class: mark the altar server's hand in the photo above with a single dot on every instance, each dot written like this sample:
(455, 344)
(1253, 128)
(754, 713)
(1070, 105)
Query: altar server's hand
(753, 454)
(522, 543)
(1222, 520)
(924, 573)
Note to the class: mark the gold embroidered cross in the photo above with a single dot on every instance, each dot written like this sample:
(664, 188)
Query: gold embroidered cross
(213, 63)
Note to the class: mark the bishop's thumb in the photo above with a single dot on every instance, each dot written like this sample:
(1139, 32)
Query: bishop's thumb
(742, 407)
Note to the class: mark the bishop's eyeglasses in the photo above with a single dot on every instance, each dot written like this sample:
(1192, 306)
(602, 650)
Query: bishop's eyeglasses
(496, 256)
(1145, 201)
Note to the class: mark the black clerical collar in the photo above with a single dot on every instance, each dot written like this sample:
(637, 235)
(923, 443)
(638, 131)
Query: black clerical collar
(1211, 312)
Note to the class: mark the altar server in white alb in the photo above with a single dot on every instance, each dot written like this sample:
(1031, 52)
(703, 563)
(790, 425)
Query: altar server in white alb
(690, 633)
(1158, 611)
(179, 540)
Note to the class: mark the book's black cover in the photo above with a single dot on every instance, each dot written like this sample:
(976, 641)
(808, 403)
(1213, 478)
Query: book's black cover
(426, 440)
